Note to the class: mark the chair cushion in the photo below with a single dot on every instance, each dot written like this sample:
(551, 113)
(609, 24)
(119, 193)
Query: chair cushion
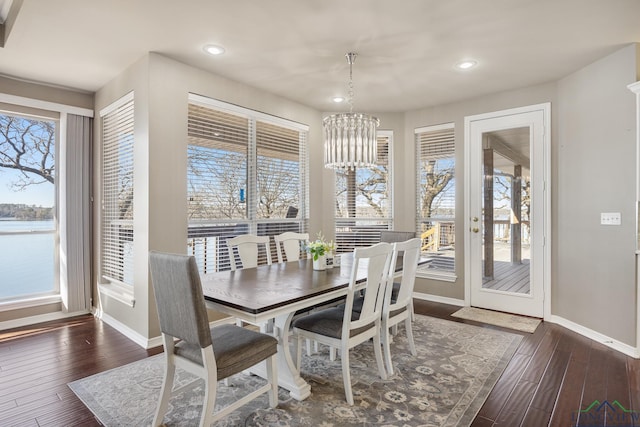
(234, 348)
(398, 311)
(328, 322)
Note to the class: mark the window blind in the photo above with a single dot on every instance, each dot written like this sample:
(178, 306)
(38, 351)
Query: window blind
(117, 191)
(435, 157)
(363, 201)
(247, 174)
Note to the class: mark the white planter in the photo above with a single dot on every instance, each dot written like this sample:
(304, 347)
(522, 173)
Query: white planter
(320, 263)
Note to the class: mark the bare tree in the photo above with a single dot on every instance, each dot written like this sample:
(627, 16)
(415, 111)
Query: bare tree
(214, 190)
(433, 183)
(277, 187)
(369, 185)
(28, 146)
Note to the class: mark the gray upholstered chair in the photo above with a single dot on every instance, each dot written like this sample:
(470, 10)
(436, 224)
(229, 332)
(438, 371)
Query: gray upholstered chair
(213, 354)
(290, 242)
(342, 328)
(390, 236)
(398, 303)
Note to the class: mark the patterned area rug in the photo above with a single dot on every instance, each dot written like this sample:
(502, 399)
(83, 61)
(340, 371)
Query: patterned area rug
(445, 385)
(506, 320)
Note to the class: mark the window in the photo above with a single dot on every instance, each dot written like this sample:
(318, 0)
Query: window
(117, 192)
(247, 173)
(363, 201)
(435, 157)
(28, 229)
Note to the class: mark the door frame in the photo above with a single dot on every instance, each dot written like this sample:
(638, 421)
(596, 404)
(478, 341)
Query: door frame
(546, 198)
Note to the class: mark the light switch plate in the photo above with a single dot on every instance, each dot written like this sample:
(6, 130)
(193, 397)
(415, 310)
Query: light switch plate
(610, 218)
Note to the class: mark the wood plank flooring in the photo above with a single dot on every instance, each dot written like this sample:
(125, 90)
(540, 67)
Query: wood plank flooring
(552, 376)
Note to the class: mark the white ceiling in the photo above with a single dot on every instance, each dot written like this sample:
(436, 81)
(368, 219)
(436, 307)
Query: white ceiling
(406, 49)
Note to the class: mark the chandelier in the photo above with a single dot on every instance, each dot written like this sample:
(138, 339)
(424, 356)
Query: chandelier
(350, 138)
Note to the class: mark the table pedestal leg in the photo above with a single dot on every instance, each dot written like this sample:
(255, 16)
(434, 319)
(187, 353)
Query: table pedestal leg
(288, 375)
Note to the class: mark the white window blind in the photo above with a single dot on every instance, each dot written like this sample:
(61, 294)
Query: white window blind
(364, 201)
(435, 157)
(117, 191)
(247, 174)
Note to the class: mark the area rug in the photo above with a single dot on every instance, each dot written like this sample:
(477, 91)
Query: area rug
(506, 320)
(444, 385)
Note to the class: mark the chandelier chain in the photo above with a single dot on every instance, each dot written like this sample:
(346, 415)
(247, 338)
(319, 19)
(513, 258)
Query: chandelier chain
(351, 58)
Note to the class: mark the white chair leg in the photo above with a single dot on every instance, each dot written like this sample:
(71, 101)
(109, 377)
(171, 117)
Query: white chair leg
(165, 394)
(209, 403)
(386, 346)
(346, 375)
(377, 350)
(408, 326)
(308, 347)
(332, 354)
(272, 376)
(167, 382)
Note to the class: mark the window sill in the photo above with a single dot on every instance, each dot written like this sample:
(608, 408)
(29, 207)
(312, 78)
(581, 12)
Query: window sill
(28, 302)
(434, 275)
(118, 293)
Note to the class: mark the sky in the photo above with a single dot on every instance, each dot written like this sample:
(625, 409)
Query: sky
(40, 195)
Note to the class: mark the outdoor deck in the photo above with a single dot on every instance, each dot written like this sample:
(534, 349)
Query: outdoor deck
(509, 277)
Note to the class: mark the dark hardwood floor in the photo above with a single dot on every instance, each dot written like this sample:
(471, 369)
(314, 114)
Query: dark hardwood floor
(553, 375)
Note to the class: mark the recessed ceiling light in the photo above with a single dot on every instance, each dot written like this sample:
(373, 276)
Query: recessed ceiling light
(338, 99)
(465, 65)
(213, 49)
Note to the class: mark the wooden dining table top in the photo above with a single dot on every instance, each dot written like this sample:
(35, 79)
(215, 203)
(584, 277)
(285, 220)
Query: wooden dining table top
(269, 287)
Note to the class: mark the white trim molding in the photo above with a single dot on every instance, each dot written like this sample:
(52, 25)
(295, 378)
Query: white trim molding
(595, 336)
(41, 318)
(44, 105)
(437, 298)
(139, 339)
(117, 292)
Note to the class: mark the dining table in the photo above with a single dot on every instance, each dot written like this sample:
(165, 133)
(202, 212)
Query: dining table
(275, 293)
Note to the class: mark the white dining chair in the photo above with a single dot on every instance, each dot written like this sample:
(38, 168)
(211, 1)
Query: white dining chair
(341, 327)
(291, 243)
(247, 246)
(398, 300)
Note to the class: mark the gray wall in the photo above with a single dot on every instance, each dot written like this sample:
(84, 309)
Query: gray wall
(161, 88)
(455, 113)
(593, 148)
(594, 171)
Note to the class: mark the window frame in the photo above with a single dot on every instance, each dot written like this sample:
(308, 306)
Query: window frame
(52, 296)
(114, 287)
(447, 275)
(368, 238)
(251, 223)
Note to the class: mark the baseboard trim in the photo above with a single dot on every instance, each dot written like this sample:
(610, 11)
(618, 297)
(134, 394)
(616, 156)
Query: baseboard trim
(437, 298)
(41, 318)
(134, 336)
(596, 336)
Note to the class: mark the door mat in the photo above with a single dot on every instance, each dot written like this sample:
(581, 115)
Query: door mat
(505, 320)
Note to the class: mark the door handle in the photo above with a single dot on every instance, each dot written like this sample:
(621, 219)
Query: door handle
(474, 219)
(475, 229)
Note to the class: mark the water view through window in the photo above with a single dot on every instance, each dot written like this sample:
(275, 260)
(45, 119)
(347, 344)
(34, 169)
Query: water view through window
(27, 206)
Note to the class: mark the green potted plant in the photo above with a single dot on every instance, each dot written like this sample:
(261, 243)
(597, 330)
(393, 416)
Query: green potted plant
(319, 250)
